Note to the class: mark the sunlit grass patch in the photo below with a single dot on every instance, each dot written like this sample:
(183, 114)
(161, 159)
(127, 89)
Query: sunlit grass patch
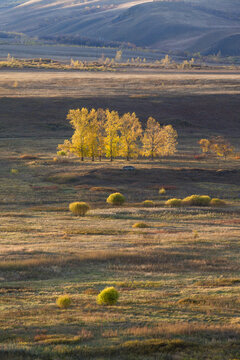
(139, 284)
(93, 231)
(218, 282)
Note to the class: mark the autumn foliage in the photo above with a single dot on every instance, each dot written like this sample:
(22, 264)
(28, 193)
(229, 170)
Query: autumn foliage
(217, 146)
(103, 133)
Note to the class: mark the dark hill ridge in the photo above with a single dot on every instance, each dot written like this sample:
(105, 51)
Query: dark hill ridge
(191, 25)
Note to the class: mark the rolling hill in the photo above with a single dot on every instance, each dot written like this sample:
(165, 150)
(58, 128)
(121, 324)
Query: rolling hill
(175, 25)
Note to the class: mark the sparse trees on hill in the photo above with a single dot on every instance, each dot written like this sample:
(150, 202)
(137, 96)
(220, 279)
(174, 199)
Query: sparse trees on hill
(216, 145)
(99, 133)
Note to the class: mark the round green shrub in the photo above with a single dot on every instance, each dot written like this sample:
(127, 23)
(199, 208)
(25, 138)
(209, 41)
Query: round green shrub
(148, 203)
(174, 202)
(197, 200)
(63, 301)
(217, 202)
(116, 199)
(108, 296)
(140, 225)
(79, 208)
(162, 191)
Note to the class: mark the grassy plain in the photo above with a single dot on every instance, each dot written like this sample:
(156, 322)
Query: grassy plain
(178, 279)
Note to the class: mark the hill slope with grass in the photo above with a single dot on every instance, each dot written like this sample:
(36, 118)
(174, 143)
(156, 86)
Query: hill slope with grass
(191, 25)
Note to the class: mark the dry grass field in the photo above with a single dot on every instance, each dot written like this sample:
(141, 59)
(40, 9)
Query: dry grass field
(178, 279)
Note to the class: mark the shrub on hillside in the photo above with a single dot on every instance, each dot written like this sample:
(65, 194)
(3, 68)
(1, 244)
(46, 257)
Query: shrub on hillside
(116, 199)
(108, 296)
(217, 202)
(196, 200)
(174, 202)
(79, 208)
(63, 301)
(148, 203)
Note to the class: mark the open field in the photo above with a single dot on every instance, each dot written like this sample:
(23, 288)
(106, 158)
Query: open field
(35, 103)
(178, 279)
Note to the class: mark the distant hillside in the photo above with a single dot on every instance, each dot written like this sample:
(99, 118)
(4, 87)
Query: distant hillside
(190, 25)
(229, 46)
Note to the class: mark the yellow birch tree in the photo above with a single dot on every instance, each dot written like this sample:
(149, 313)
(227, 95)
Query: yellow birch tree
(152, 139)
(101, 118)
(159, 141)
(131, 131)
(169, 136)
(92, 134)
(112, 126)
(79, 119)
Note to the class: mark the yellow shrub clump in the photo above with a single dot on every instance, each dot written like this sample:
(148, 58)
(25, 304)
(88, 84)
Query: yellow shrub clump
(116, 199)
(63, 301)
(108, 296)
(197, 200)
(174, 202)
(79, 208)
(148, 203)
(162, 191)
(217, 202)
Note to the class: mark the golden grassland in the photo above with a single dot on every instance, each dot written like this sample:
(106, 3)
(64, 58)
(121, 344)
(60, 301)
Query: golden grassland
(178, 279)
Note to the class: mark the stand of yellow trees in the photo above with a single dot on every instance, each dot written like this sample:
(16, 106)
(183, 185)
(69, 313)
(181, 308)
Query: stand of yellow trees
(99, 133)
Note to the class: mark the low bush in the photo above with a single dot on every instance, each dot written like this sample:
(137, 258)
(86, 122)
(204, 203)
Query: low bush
(116, 199)
(63, 301)
(140, 225)
(14, 171)
(162, 191)
(108, 296)
(148, 203)
(61, 153)
(217, 202)
(79, 208)
(174, 202)
(197, 200)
